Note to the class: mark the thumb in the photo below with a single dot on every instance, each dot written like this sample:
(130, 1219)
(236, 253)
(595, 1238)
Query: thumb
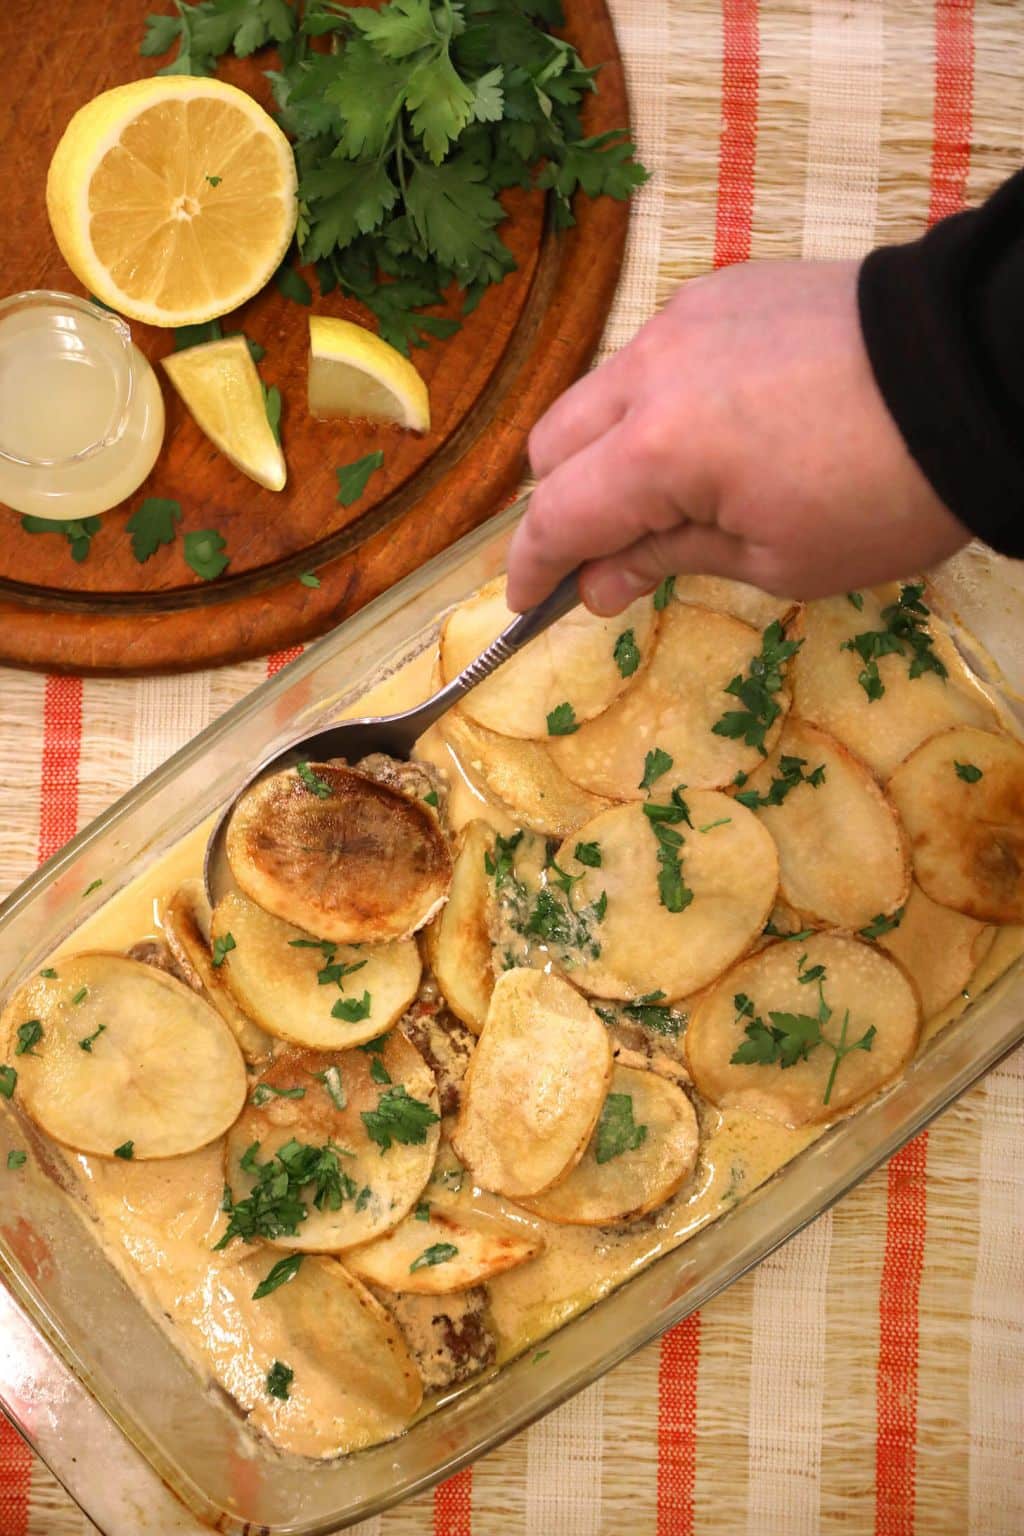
(611, 584)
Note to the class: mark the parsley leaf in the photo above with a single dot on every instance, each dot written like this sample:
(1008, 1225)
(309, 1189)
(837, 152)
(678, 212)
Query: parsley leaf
(501, 864)
(437, 1253)
(617, 1131)
(398, 1118)
(93, 885)
(663, 593)
(882, 924)
(126, 1151)
(86, 1043)
(29, 1034)
(197, 335)
(626, 653)
(969, 772)
(204, 553)
(905, 634)
(673, 892)
(756, 691)
(656, 763)
(152, 525)
(309, 579)
(283, 1271)
(222, 947)
(791, 773)
(16, 1159)
(279, 1379)
(857, 599)
(8, 1081)
(378, 1071)
(272, 406)
(422, 1211)
(352, 1009)
(316, 786)
(333, 1085)
(276, 1206)
(293, 286)
(588, 854)
(562, 720)
(78, 532)
(264, 1092)
(353, 478)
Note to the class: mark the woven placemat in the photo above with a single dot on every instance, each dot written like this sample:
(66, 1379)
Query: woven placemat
(869, 1378)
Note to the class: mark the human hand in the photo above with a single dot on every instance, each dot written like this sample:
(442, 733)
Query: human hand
(741, 433)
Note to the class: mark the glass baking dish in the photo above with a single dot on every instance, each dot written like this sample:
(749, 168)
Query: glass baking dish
(193, 1438)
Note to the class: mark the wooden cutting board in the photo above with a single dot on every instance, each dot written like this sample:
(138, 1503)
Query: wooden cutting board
(528, 339)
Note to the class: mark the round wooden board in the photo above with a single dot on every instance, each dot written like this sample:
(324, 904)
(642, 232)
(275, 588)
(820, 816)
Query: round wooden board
(528, 339)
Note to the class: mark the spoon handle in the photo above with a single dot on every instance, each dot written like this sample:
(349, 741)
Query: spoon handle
(523, 628)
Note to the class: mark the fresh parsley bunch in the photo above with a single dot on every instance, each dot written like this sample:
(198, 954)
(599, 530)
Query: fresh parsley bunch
(407, 130)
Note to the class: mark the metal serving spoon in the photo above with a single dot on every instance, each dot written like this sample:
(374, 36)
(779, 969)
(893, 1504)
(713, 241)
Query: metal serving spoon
(395, 735)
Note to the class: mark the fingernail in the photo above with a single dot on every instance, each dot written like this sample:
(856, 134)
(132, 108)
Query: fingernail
(609, 591)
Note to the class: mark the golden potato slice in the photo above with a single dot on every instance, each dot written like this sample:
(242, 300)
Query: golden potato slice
(729, 863)
(883, 731)
(309, 991)
(521, 776)
(674, 704)
(342, 855)
(535, 1085)
(340, 1335)
(573, 662)
(320, 1100)
(458, 941)
(440, 1249)
(843, 856)
(776, 993)
(185, 920)
(641, 1152)
(748, 604)
(939, 948)
(114, 1056)
(966, 824)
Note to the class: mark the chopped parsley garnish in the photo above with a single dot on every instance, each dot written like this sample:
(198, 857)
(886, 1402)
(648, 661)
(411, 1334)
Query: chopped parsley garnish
(905, 634)
(540, 1354)
(353, 478)
(222, 947)
(126, 1151)
(374, 1047)
(327, 947)
(80, 997)
(283, 1271)
(588, 854)
(881, 924)
(280, 1376)
(204, 553)
(562, 720)
(333, 1086)
(437, 1253)
(16, 1158)
(969, 772)
(430, 798)
(352, 1009)
(272, 405)
(560, 876)
(656, 763)
(812, 973)
(94, 885)
(309, 579)
(8, 1081)
(857, 599)
(501, 864)
(617, 1131)
(626, 653)
(313, 782)
(79, 532)
(49, 973)
(422, 1212)
(264, 1092)
(723, 821)
(336, 972)
(791, 1037)
(363, 1198)
(378, 1071)
(673, 892)
(554, 921)
(86, 1044)
(771, 931)
(398, 1118)
(663, 593)
(756, 691)
(651, 1011)
(214, 181)
(29, 1034)
(276, 1205)
(790, 774)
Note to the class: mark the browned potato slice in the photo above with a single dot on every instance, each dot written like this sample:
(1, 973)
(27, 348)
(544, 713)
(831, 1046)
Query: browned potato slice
(731, 867)
(521, 776)
(360, 863)
(865, 990)
(966, 838)
(437, 1250)
(330, 1112)
(748, 604)
(291, 984)
(637, 1179)
(843, 857)
(883, 731)
(571, 663)
(535, 1085)
(458, 942)
(673, 704)
(115, 1054)
(941, 949)
(185, 921)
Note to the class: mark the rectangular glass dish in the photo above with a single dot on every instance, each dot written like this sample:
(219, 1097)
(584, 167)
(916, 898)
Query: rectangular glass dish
(99, 1333)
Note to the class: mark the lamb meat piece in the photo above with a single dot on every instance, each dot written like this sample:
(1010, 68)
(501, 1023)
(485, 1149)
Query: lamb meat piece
(155, 952)
(449, 1337)
(417, 780)
(445, 1045)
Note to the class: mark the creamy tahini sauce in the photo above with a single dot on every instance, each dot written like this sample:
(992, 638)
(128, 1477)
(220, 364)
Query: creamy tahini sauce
(158, 1221)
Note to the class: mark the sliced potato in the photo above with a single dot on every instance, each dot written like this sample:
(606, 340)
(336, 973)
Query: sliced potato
(967, 839)
(673, 704)
(458, 942)
(573, 662)
(941, 949)
(394, 1178)
(127, 1055)
(843, 856)
(521, 776)
(361, 864)
(639, 1179)
(340, 1334)
(731, 868)
(273, 972)
(736, 598)
(185, 920)
(447, 1250)
(535, 1085)
(882, 732)
(859, 980)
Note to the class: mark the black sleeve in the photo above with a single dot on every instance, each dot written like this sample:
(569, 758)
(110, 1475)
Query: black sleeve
(943, 321)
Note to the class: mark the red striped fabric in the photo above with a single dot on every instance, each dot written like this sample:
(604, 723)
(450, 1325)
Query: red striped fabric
(677, 1426)
(453, 1505)
(954, 90)
(281, 659)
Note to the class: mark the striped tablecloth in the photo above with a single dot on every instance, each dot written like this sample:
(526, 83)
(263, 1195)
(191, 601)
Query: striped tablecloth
(870, 1377)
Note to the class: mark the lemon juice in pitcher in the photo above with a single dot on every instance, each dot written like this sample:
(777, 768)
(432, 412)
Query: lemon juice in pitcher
(81, 413)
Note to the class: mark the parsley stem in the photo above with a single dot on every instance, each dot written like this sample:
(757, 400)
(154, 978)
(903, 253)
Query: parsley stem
(839, 1051)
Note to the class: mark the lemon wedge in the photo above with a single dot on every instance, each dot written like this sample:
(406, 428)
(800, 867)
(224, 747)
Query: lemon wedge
(353, 373)
(172, 199)
(221, 388)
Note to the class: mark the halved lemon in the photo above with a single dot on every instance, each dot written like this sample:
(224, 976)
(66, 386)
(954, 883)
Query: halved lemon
(219, 384)
(172, 199)
(352, 372)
